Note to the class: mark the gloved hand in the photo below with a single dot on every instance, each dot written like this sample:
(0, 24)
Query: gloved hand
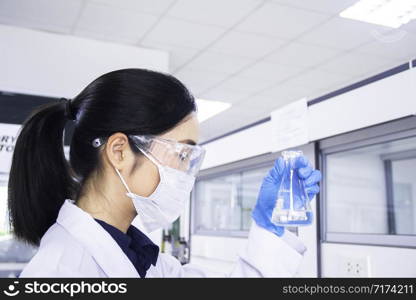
(266, 199)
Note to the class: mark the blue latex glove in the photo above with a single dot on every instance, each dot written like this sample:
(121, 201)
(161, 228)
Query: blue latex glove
(266, 199)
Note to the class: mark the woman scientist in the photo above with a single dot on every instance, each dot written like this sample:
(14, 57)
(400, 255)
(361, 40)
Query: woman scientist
(133, 155)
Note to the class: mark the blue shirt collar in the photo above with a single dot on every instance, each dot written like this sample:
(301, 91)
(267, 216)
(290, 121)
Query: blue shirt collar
(140, 250)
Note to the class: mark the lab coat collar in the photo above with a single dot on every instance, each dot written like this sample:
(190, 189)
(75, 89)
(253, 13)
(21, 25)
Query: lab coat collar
(96, 240)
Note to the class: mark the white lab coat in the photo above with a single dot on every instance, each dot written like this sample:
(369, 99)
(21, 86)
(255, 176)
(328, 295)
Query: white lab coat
(77, 246)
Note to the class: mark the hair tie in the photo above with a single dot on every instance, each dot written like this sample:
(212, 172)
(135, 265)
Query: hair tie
(68, 109)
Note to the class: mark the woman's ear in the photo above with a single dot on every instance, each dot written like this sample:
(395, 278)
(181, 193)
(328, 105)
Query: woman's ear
(118, 150)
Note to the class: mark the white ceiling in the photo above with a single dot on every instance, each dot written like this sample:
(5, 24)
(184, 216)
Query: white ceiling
(256, 54)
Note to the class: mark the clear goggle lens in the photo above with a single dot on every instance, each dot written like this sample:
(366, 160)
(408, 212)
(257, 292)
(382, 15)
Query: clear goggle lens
(180, 156)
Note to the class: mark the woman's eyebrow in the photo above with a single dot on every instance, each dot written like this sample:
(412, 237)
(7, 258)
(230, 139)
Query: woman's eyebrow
(189, 142)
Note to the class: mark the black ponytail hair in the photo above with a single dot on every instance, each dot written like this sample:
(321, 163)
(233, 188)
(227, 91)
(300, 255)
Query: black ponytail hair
(132, 101)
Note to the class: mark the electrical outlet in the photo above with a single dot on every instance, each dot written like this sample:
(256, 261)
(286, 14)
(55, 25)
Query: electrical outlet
(355, 266)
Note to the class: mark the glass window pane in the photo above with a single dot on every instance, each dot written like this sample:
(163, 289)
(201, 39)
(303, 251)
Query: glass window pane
(357, 185)
(404, 195)
(251, 182)
(225, 203)
(217, 203)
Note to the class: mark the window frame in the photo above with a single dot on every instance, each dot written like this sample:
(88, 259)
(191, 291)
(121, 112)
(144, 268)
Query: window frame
(248, 164)
(387, 132)
(251, 163)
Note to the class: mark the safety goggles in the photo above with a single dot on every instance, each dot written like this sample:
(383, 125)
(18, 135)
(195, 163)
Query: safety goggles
(166, 152)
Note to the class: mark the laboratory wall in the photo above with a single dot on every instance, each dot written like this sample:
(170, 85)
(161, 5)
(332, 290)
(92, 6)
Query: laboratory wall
(365, 106)
(48, 64)
(373, 261)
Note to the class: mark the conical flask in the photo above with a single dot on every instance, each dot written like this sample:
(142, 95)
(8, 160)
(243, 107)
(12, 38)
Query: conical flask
(292, 206)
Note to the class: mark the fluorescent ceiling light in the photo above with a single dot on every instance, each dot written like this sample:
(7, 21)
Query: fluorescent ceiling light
(390, 13)
(208, 108)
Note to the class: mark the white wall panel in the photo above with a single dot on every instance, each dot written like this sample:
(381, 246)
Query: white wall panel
(47, 64)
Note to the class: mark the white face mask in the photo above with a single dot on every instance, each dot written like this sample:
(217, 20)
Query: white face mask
(168, 200)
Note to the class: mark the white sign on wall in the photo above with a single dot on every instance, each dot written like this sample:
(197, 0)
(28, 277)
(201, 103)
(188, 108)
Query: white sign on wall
(8, 136)
(290, 125)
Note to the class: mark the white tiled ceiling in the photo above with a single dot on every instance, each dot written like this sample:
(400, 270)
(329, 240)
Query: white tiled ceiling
(184, 33)
(357, 64)
(341, 34)
(318, 77)
(291, 55)
(57, 16)
(256, 54)
(281, 21)
(179, 55)
(247, 44)
(156, 7)
(112, 23)
(324, 6)
(410, 27)
(398, 45)
(290, 90)
(212, 60)
(270, 72)
(213, 12)
(225, 93)
(199, 80)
